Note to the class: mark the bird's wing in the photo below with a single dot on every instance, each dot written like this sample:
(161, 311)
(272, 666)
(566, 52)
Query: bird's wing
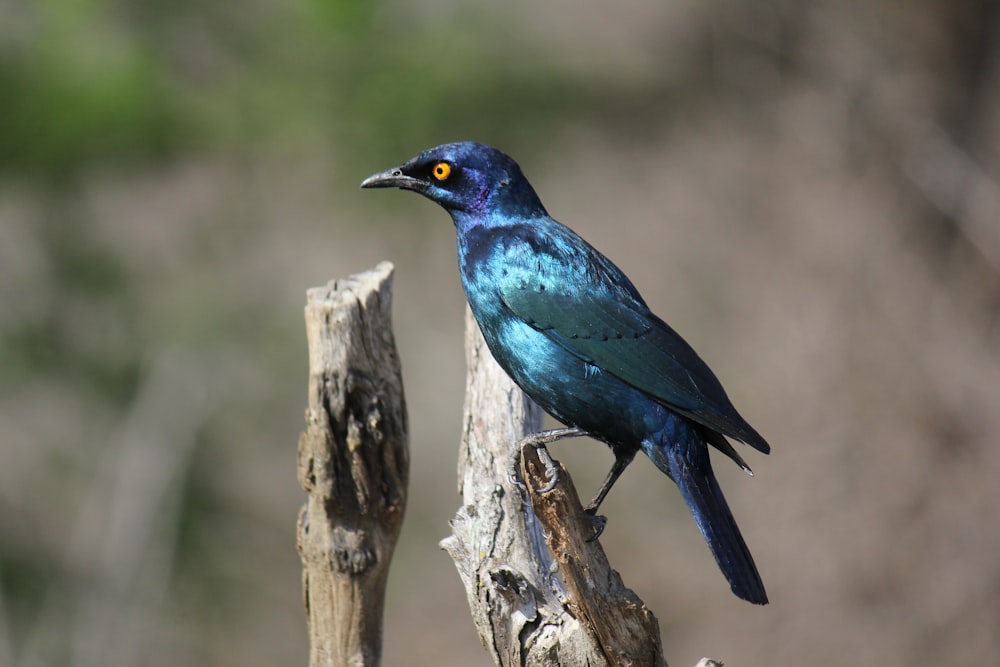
(612, 329)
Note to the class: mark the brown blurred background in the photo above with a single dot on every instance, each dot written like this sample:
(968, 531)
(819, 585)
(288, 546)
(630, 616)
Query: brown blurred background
(809, 192)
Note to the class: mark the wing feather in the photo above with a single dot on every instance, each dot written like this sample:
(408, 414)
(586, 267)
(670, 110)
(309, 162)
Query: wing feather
(613, 329)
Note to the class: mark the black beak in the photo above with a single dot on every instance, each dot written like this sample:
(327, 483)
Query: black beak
(394, 178)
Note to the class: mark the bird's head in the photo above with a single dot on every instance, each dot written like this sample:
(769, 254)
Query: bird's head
(465, 178)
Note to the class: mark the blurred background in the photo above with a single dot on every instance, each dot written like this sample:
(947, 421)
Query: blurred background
(808, 191)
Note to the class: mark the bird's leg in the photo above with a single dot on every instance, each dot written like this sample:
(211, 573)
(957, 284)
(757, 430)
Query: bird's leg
(539, 441)
(622, 458)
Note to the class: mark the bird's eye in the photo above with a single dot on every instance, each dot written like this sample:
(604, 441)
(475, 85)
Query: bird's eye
(441, 171)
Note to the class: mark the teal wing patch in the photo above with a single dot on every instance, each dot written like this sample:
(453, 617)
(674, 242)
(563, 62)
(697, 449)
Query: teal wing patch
(620, 335)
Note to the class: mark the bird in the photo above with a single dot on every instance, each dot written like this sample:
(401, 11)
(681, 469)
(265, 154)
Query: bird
(573, 332)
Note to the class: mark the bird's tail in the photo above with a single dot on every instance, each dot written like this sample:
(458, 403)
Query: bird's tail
(691, 469)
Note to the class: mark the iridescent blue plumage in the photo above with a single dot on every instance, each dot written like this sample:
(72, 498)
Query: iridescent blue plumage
(573, 332)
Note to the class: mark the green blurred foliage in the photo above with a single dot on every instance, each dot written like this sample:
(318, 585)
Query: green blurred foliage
(111, 81)
(78, 90)
(105, 81)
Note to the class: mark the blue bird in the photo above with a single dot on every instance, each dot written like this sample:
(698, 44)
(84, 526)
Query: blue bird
(573, 332)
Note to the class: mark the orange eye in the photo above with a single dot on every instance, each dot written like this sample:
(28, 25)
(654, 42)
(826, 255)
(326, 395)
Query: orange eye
(441, 171)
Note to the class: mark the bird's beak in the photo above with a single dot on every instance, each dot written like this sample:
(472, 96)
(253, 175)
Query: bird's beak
(394, 178)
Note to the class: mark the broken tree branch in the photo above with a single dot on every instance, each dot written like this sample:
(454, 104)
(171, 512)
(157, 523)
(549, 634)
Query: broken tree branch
(354, 464)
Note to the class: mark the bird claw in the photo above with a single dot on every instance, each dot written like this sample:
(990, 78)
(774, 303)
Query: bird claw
(514, 470)
(551, 484)
(551, 469)
(597, 521)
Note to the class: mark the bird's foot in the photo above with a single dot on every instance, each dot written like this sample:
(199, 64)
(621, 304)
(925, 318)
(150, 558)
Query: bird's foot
(538, 441)
(551, 468)
(597, 521)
